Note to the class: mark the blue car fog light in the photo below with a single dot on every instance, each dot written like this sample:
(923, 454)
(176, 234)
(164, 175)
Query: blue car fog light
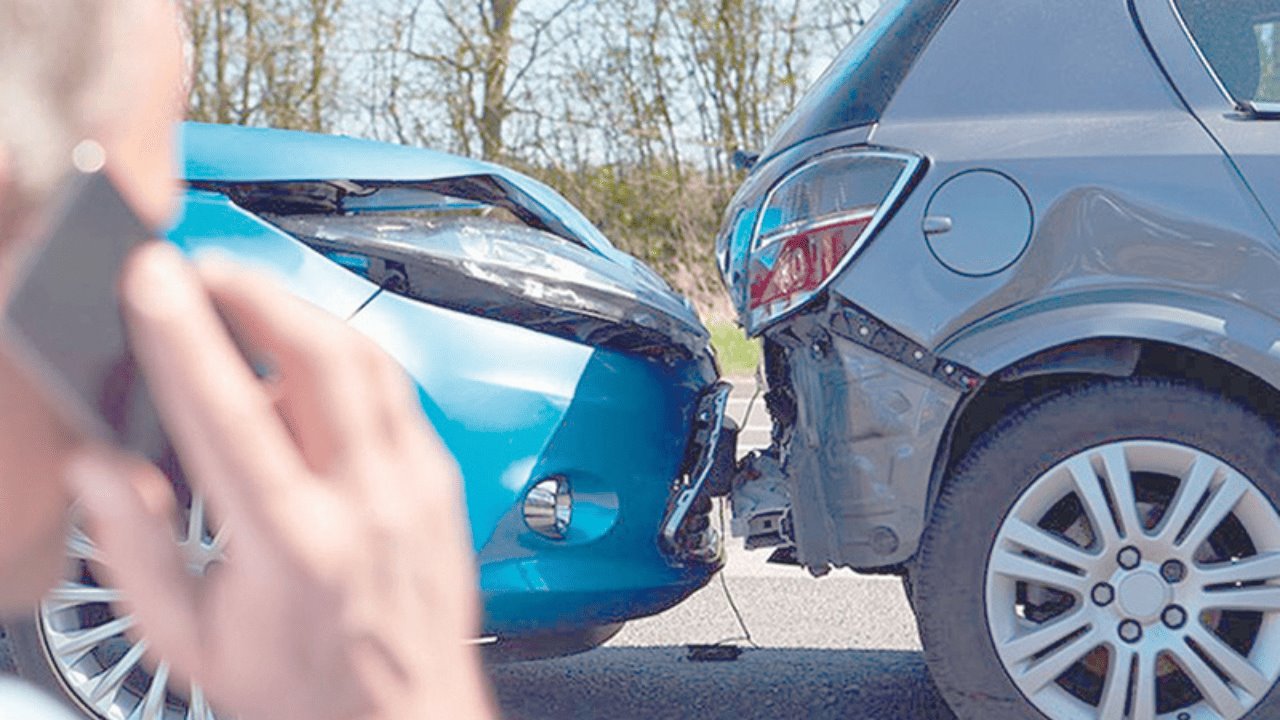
(548, 507)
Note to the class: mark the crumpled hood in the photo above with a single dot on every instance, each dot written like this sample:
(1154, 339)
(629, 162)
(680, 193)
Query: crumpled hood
(235, 154)
(259, 167)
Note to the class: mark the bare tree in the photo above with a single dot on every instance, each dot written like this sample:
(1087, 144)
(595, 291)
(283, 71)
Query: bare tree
(266, 62)
(475, 63)
(630, 107)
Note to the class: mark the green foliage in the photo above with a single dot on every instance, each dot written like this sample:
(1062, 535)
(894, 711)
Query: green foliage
(738, 355)
(669, 221)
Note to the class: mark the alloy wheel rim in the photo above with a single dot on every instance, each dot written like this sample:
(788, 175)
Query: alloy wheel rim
(1138, 579)
(84, 639)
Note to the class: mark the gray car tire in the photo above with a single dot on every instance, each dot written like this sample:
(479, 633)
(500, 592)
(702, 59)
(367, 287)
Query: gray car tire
(949, 573)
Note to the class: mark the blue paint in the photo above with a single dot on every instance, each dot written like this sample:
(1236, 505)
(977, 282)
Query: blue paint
(513, 405)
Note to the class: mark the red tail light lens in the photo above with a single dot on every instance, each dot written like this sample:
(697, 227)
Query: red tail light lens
(803, 261)
(814, 221)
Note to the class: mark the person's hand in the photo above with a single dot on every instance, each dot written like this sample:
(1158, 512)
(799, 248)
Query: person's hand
(349, 588)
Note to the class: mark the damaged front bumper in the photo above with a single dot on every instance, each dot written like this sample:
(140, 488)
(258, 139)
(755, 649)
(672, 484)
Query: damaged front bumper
(860, 417)
(687, 534)
(537, 350)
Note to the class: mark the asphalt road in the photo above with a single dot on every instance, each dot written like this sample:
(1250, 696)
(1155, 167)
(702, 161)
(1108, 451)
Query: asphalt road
(840, 647)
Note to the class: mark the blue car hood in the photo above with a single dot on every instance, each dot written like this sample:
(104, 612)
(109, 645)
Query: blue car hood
(236, 154)
(621, 288)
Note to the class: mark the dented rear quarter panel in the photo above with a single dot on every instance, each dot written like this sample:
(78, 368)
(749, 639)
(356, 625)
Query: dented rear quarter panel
(1129, 192)
(1143, 228)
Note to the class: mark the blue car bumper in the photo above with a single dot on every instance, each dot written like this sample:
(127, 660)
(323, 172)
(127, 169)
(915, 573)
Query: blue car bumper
(516, 407)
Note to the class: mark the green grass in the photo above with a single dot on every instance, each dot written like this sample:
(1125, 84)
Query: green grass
(737, 354)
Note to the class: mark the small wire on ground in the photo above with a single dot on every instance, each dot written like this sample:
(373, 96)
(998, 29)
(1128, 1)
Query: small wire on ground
(724, 582)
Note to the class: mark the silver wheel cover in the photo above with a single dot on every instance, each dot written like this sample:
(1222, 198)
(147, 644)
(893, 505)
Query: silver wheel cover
(1138, 579)
(86, 647)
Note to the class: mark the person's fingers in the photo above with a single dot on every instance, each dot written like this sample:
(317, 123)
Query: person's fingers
(128, 506)
(6, 179)
(326, 392)
(230, 439)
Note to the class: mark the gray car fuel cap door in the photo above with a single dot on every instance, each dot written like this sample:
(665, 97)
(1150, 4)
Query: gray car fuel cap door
(978, 223)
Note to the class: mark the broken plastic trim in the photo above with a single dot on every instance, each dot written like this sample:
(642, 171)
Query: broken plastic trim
(853, 323)
(510, 273)
(713, 435)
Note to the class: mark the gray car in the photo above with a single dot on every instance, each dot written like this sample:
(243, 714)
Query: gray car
(1016, 267)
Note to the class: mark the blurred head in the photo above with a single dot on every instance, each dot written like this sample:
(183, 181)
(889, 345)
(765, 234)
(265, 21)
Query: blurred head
(70, 70)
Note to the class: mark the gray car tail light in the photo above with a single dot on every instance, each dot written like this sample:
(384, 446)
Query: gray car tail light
(815, 221)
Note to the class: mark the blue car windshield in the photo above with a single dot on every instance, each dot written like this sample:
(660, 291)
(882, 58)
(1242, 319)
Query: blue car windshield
(858, 86)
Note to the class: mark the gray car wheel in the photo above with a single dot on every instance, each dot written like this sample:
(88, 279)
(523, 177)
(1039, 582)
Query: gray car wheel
(1109, 552)
(75, 645)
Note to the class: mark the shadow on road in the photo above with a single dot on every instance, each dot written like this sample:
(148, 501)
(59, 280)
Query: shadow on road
(659, 682)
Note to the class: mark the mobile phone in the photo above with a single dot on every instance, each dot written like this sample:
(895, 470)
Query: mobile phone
(64, 324)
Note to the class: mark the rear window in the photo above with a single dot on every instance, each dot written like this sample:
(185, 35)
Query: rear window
(1241, 42)
(858, 86)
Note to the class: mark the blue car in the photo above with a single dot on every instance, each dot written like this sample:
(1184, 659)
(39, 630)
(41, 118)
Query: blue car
(575, 388)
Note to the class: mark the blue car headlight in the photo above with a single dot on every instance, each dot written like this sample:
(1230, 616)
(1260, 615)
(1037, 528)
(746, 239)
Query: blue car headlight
(508, 272)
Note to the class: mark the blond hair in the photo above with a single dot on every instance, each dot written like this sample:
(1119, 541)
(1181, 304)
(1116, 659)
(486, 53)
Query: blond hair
(63, 72)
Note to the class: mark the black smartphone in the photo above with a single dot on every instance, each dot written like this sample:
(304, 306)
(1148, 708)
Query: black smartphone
(64, 324)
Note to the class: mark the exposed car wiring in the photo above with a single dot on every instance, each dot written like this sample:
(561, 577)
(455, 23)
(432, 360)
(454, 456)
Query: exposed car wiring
(724, 583)
(760, 383)
(733, 605)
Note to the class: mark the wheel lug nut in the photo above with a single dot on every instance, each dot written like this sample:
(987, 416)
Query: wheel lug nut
(1103, 594)
(1129, 558)
(1173, 572)
(1174, 617)
(1130, 631)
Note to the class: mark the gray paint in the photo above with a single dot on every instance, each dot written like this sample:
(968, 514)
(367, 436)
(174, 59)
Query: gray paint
(1115, 166)
(1148, 192)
